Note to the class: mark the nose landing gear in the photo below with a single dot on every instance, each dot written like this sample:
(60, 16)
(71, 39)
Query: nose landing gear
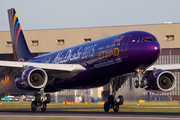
(141, 79)
(41, 100)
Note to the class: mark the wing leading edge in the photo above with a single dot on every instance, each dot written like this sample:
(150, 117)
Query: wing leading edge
(171, 67)
(16, 68)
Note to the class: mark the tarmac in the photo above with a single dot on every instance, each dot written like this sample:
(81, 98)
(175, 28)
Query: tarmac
(65, 113)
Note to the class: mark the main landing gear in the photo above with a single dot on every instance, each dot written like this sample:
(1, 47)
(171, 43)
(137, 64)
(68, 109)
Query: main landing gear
(112, 101)
(41, 100)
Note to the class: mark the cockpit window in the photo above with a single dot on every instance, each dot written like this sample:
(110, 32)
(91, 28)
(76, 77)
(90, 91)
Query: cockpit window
(154, 39)
(140, 40)
(148, 39)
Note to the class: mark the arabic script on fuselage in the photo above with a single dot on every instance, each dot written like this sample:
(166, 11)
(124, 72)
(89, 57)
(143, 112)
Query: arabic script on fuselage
(118, 39)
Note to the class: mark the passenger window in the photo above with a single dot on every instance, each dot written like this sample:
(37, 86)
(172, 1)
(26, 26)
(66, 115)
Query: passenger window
(148, 40)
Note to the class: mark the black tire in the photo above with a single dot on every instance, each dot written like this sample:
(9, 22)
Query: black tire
(38, 98)
(48, 98)
(116, 107)
(106, 107)
(136, 84)
(121, 98)
(33, 105)
(43, 108)
(111, 99)
(142, 84)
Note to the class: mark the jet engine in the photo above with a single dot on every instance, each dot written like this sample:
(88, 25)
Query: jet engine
(161, 81)
(32, 79)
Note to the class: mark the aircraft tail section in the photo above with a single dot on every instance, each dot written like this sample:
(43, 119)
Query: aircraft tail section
(20, 48)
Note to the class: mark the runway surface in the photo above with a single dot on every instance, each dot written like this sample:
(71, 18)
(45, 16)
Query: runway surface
(64, 113)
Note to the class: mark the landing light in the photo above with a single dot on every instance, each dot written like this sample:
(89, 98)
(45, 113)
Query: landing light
(73, 68)
(137, 70)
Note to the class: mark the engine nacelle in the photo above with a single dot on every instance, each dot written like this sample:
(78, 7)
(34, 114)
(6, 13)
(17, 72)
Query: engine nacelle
(32, 78)
(161, 81)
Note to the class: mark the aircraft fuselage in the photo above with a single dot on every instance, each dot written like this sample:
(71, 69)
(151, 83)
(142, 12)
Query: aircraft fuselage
(104, 59)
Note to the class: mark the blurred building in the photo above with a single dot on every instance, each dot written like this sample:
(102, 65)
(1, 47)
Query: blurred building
(49, 40)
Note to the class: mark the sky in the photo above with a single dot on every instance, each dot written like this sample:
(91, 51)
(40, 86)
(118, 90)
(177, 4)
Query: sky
(55, 14)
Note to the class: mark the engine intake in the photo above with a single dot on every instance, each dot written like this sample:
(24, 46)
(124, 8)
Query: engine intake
(32, 78)
(37, 78)
(161, 81)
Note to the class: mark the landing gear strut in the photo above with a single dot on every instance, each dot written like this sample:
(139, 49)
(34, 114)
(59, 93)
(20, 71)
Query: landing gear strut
(141, 79)
(41, 100)
(112, 101)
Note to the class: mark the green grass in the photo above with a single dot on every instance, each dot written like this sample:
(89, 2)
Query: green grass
(152, 104)
(15, 105)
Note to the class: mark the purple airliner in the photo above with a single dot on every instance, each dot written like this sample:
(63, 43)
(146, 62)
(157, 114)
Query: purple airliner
(88, 65)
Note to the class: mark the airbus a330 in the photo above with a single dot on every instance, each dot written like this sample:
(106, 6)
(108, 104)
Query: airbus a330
(88, 65)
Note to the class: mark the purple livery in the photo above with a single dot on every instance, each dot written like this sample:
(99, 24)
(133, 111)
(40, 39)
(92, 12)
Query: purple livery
(87, 65)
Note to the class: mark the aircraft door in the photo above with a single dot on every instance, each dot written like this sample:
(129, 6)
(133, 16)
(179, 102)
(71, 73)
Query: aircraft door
(125, 43)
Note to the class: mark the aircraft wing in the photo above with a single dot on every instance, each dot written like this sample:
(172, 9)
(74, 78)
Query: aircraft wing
(170, 67)
(15, 68)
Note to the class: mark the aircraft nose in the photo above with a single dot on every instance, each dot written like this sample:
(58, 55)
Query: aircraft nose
(154, 50)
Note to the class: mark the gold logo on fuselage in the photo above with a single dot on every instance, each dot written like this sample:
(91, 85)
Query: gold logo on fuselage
(108, 53)
(118, 39)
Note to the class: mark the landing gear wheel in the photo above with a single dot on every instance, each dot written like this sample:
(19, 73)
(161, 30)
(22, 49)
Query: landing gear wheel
(38, 98)
(136, 84)
(43, 108)
(48, 98)
(116, 107)
(106, 107)
(111, 99)
(121, 100)
(33, 106)
(142, 84)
